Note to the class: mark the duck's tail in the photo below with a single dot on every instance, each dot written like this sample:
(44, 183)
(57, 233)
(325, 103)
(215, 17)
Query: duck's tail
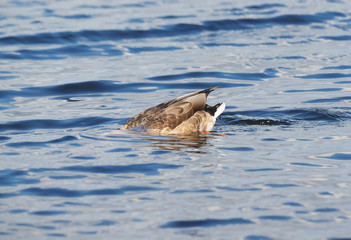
(208, 90)
(215, 110)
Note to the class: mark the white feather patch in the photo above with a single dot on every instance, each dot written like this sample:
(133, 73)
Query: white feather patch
(219, 110)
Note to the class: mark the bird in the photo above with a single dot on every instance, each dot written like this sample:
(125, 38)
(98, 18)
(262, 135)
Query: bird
(185, 115)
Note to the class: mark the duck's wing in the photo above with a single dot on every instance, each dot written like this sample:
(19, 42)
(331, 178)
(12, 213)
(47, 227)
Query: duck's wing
(171, 113)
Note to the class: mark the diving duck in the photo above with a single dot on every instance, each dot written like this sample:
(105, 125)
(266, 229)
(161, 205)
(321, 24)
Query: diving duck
(185, 115)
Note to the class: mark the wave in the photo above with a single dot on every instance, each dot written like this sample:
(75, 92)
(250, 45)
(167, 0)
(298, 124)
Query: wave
(245, 118)
(337, 38)
(145, 168)
(282, 117)
(53, 124)
(225, 75)
(206, 223)
(329, 100)
(315, 90)
(340, 67)
(265, 6)
(62, 52)
(64, 192)
(105, 86)
(79, 50)
(41, 144)
(13, 177)
(325, 76)
(172, 30)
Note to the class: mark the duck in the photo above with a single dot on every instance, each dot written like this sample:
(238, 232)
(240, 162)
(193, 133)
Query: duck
(185, 115)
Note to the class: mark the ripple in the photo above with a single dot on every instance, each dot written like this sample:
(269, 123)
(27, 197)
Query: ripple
(61, 177)
(14, 177)
(104, 86)
(275, 218)
(105, 223)
(146, 168)
(338, 38)
(326, 210)
(41, 144)
(41, 227)
(205, 223)
(263, 169)
(120, 150)
(179, 29)
(224, 75)
(280, 185)
(292, 57)
(62, 52)
(87, 232)
(4, 139)
(342, 82)
(307, 165)
(258, 237)
(239, 189)
(56, 235)
(48, 213)
(77, 16)
(261, 122)
(325, 76)
(83, 157)
(177, 17)
(63, 192)
(11, 177)
(339, 238)
(151, 49)
(316, 90)
(193, 191)
(271, 139)
(293, 204)
(283, 117)
(340, 67)
(76, 51)
(326, 194)
(265, 6)
(237, 149)
(18, 211)
(212, 44)
(54, 124)
(344, 156)
(325, 100)
(159, 152)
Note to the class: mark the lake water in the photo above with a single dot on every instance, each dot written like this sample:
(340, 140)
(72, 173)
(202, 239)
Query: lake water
(277, 165)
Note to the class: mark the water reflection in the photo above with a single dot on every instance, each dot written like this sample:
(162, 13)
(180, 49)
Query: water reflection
(185, 143)
(191, 143)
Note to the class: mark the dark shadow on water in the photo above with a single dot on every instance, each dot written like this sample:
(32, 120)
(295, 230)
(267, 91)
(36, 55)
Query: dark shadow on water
(283, 117)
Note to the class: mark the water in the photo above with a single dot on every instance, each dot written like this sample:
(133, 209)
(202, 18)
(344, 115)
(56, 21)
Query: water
(276, 167)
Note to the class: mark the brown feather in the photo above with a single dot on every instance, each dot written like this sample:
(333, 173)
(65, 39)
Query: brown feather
(168, 115)
(201, 121)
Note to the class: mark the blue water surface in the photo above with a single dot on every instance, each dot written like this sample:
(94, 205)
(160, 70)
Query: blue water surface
(276, 166)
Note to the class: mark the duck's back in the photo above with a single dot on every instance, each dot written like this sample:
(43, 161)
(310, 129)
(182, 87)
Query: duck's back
(169, 114)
